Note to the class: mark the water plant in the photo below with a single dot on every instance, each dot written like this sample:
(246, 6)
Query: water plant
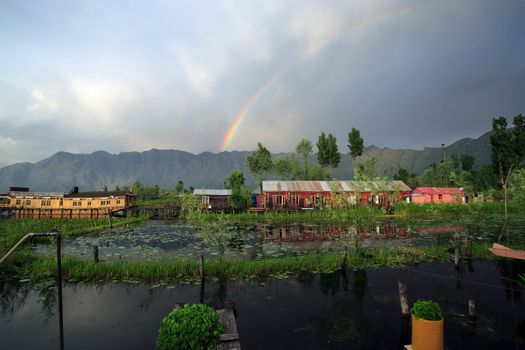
(427, 310)
(195, 326)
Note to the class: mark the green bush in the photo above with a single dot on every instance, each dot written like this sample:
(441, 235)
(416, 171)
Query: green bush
(194, 326)
(427, 310)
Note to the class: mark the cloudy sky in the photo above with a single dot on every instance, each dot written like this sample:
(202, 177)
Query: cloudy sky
(82, 76)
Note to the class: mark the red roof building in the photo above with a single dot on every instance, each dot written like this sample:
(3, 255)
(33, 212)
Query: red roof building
(438, 195)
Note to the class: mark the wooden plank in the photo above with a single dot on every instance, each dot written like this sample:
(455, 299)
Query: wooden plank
(229, 337)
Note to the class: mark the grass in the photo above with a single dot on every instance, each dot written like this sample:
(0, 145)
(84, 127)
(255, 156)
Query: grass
(188, 270)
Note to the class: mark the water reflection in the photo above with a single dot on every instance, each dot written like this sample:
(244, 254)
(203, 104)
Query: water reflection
(309, 311)
(165, 240)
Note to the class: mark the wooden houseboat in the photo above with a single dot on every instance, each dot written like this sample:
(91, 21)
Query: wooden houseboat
(294, 195)
(27, 204)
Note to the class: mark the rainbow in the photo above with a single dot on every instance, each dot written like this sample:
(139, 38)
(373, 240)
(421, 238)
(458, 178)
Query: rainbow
(247, 107)
(310, 52)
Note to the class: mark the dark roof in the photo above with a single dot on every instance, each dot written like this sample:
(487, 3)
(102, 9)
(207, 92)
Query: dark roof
(97, 194)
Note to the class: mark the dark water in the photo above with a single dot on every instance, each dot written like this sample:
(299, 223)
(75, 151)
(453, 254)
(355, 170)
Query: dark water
(309, 311)
(164, 240)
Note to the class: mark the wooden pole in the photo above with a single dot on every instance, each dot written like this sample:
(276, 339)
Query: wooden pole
(201, 273)
(403, 299)
(95, 254)
(344, 257)
(472, 308)
(110, 220)
(456, 250)
(468, 250)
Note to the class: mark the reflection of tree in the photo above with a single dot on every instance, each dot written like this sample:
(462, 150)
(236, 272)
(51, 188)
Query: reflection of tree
(13, 295)
(305, 278)
(510, 270)
(48, 296)
(329, 283)
(359, 284)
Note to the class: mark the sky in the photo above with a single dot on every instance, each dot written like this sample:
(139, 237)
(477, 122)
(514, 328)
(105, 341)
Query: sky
(81, 76)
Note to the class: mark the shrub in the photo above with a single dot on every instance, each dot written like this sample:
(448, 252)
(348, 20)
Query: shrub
(194, 326)
(427, 310)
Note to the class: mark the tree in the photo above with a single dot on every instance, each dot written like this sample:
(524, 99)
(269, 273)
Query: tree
(507, 152)
(327, 152)
(235, 182)
(304, 148)
(259, 163)
(179, 187)
(467, 162)
(287, 167)
(454, 158)
(355, 143)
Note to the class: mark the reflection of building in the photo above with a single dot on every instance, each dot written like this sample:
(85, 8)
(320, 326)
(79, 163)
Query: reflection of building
(308, 233)
(214, 199)
(26, 204)
(438, 195)
(313, 194)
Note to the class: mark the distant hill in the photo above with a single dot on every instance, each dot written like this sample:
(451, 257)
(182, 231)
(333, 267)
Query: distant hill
(93, 171)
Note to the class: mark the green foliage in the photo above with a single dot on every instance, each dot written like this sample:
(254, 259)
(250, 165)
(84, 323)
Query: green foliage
(179, 187)
(327, 152)
(467, 162)
(145, 192)
(259, 163)
(427, 310)
(517, 187)
(241, 195)
(367, 171)
(287, 167)
(304, 148)
(355, 143)
(192, 327)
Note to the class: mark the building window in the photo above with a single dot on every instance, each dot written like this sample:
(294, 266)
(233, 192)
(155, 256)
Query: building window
(89, 203)
(440, 197)
(18, 202)
(61, 203)
(77, 204)
(45, 203)
(28, 202)
(118, 201)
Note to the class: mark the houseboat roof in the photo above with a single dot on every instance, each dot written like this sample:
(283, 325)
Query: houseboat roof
(438, 190)
(326, 186)
(212, 192)
(35, 194)
(96, 194)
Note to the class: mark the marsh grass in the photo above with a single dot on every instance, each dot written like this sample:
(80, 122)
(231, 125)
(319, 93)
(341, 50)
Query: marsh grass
(185, 270)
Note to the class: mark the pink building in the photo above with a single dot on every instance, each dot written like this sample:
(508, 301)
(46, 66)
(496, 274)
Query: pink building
(438, 195)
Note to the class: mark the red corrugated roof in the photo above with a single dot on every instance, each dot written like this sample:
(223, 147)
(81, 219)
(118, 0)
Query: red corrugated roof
(438, 190)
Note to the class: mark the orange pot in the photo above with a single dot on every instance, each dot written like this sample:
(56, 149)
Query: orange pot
(427, 335)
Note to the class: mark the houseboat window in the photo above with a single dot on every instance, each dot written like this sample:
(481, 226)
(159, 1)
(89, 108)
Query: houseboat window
(118, 201)
(440, 196)
(5, 201)
(18, 202)
(61, 203)
(28, 202)
(278, 200)
(77, 204)
(45, 203)
(88, 204)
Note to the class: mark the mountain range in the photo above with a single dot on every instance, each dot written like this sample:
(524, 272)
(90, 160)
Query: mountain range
(93, 171)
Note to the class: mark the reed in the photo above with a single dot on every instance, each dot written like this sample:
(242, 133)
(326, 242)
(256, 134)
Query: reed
(188, 270)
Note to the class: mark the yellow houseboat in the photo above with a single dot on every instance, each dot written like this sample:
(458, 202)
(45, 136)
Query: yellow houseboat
(26, 204)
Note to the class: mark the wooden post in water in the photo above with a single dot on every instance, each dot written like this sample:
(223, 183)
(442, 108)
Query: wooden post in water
(110, 220)
(468, 249)
(344, 257)
(456, 250)
(403, 299)
(472, 309)
(201, 273)
(95, 254)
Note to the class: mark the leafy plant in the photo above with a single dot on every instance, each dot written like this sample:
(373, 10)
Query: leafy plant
(195, 326)
(427, 310)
